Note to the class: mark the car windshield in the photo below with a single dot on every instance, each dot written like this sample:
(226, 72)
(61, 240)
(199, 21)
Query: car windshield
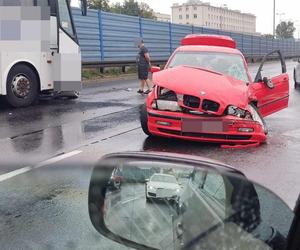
(225, 63)
(164, 178)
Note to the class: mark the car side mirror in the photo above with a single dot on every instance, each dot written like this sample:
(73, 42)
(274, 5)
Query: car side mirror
(147, 180)
(142, 217)
(154, 69)
(268, 82)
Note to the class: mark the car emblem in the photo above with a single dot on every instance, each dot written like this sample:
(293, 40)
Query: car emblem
(202, 93)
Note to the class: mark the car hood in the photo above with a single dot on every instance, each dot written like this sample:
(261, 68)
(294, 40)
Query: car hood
(164, 185)
(204, 84)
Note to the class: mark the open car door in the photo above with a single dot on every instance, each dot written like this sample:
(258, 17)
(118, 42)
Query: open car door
(271, 93)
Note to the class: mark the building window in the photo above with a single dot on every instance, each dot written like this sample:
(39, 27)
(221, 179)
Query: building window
(187, 16)
(195, 8)
(187, 9)
(195, 16)
(180, 16)
(180, 9)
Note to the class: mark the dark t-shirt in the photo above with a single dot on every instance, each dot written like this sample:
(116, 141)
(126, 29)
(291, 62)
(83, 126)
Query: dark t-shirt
(141, 59)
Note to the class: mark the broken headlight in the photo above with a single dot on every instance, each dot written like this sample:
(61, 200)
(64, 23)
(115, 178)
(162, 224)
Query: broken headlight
(166, 100)
(238, 112)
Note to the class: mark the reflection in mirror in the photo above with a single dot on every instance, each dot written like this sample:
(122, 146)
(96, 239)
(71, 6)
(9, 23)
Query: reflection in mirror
(172, 206)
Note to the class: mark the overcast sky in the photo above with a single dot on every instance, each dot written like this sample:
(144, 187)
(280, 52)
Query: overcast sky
(263, 9)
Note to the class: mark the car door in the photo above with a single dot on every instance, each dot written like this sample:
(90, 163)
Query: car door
(271, 92)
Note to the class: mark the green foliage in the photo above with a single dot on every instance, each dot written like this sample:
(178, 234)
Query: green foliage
(133, 8)
(285, 30)
(270, 36)
(99, 4)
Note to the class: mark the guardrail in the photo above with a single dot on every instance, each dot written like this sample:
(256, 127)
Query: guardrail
(107, 39)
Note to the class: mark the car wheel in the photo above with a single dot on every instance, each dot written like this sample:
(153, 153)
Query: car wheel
(144, 119)
(261, 119)
(22, 86)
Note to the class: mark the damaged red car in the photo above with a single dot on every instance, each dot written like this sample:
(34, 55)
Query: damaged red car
(205, 93)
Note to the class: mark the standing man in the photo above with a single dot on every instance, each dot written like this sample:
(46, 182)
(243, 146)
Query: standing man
(143, 63)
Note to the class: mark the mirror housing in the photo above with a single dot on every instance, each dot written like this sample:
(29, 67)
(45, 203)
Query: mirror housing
(268, 82)
(154, 69)
(133, 228)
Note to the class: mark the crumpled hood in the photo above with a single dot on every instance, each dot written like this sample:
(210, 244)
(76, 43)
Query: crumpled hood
(223, 89)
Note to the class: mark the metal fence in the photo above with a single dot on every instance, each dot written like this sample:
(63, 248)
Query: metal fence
(108, 38)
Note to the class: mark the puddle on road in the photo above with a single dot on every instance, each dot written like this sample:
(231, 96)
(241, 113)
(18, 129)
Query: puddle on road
(54, 140)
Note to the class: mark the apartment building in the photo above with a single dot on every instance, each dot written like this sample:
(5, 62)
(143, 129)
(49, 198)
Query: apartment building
(162, 17)
(198, 13)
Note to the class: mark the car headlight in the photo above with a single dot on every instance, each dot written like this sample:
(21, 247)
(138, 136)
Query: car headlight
(238, 112)
(178, 190)
(151, 188)
(166, 100)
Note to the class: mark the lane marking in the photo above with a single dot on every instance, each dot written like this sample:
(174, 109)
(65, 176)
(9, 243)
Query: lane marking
(133, 199)
(20, 171)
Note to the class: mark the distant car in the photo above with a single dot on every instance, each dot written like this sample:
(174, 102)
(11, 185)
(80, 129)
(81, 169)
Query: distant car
(162, 186)
(116, 179)
(206, 93)
(297, 74)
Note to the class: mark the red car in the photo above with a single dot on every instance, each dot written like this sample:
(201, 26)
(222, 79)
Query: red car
(205, 93)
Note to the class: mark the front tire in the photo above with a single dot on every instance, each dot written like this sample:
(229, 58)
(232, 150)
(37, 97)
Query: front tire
(144, 119)
(22, 86)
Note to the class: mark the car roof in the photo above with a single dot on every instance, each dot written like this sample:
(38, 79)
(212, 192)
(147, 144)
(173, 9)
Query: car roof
(193, 48)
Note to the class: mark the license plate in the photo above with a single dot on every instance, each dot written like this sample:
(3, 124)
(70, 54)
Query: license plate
(200, 126)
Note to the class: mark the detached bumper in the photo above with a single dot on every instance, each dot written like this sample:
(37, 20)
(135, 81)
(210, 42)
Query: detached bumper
(226, 129)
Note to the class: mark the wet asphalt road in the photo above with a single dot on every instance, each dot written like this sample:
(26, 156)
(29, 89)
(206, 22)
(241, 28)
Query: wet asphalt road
(46, 207)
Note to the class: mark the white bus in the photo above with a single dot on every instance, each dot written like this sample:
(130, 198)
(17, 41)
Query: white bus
(39, 50)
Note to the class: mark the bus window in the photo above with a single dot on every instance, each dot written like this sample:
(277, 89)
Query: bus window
(64, 17)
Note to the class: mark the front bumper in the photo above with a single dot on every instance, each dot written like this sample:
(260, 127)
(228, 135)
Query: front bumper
(156, 196)
(170, 124)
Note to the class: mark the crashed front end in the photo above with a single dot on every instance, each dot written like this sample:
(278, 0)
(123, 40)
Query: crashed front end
(197, 118)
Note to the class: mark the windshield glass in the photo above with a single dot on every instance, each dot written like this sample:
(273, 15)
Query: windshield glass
(227, 64)
(163, 178)
(65, 17)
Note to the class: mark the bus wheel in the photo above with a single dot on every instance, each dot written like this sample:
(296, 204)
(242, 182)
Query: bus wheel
(21, 86)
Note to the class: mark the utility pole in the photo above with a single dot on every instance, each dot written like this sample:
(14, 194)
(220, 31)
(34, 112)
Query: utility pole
(274, 16)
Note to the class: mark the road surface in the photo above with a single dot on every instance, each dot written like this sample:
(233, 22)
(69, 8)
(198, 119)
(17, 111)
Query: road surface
(48, 151)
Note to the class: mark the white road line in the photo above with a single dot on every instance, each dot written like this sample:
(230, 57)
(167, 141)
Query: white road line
(14, 173)
(133, 199)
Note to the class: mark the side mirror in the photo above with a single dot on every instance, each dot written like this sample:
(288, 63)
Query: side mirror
(147, 180)
(154, 69)
(268, 82)
(217, 209)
